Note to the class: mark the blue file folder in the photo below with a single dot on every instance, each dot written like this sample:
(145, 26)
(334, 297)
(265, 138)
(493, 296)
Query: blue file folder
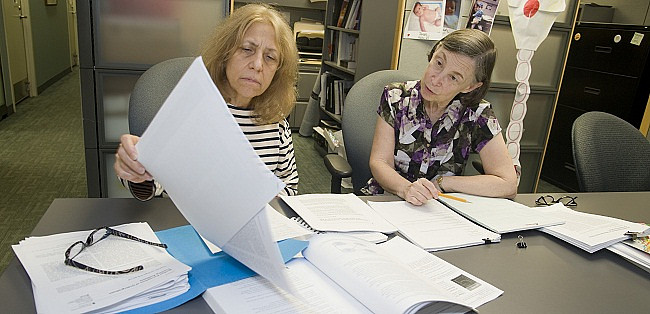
(208, 270)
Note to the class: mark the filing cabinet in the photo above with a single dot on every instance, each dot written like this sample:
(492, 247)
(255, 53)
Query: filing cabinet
(607, 70)
(118, 41)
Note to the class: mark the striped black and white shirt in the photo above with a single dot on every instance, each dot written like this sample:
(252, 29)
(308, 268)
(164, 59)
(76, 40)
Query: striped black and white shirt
(273, 144)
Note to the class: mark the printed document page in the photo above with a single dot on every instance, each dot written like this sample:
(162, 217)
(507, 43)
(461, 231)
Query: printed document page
(343, 274)
(433, 226)
(462, 285)
(196, 150)
(282, 228)
(499, 214)
(316, 294)
(375, 278)
(337, 212)
(588, 231)
(59, 288)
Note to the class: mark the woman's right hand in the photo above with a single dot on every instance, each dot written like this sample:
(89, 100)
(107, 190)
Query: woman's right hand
(126, 164)
(420, 192)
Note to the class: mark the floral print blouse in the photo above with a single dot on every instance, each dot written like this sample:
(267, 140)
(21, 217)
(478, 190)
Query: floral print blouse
(428, 149)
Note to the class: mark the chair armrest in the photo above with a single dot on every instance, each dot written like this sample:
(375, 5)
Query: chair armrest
(339, 168)
(478, 166)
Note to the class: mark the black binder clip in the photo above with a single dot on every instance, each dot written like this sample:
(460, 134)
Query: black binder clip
(487, 240)
(633, 235)
(521, 244)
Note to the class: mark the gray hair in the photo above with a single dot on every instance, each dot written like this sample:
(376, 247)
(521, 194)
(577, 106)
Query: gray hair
(478, 46)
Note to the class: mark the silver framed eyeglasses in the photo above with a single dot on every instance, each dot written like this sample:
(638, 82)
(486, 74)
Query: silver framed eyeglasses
(97, 235)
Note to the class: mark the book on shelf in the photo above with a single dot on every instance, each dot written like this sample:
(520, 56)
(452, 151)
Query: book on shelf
(346, 48)
(333, 92)
(352, 19)
(344, 274)
(342, 13)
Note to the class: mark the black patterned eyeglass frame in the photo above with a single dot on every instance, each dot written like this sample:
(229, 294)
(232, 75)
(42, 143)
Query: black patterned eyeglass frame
(546, 200)
(91, 241)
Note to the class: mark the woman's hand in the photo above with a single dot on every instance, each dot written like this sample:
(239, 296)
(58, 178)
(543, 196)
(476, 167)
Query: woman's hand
(126, 164)
(419, 192)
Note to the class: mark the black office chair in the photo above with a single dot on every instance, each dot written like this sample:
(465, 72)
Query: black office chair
(358, 125)
(609, 154)
(152, 89)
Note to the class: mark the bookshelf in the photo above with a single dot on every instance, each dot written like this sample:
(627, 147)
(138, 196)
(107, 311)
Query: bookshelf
(358, 40)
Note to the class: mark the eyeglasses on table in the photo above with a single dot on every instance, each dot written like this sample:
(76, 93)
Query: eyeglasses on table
(547, 200)
(97, 235)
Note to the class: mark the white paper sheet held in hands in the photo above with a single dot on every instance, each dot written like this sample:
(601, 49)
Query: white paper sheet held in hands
(433, 226)
(196, 150)
(499, 214)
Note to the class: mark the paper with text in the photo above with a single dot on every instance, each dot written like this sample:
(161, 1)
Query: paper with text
(343, 274)
(461, 284)
(337, 212)
(588, 231)
(281, 228)
(255, 295)
(59, 288)
(499, 214)
(375, 278)
(196, 150)
(433, 226)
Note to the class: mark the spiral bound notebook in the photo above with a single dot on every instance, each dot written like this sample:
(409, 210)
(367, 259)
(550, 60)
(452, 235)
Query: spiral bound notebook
(375, 237)
(337, 212)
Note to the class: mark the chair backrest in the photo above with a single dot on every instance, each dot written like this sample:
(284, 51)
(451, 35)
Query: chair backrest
(360, 117)
(609, 154)
(152, 89)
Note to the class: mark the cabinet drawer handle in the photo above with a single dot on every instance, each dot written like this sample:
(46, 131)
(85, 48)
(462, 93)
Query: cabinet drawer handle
(603, 49)
(591, 90)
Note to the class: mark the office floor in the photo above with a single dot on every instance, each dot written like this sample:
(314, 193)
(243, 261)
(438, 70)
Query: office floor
(42, 158)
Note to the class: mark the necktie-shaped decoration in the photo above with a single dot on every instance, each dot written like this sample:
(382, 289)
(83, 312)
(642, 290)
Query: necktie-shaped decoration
(531, 21)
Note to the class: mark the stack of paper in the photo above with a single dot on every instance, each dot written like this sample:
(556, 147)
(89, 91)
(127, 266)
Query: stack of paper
(433, 226)
(59, 288)
(499, 214)
(628, 250)
(340, 213)
(343, 274)
(588, 231)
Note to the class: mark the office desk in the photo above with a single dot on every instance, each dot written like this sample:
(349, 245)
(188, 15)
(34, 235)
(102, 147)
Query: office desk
(550, 276)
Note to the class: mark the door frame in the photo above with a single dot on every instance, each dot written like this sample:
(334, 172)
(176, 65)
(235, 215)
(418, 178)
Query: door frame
(29, 50)
(29, 56)
(4, 65)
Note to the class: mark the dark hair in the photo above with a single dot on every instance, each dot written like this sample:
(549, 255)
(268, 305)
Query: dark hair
(478, 46)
